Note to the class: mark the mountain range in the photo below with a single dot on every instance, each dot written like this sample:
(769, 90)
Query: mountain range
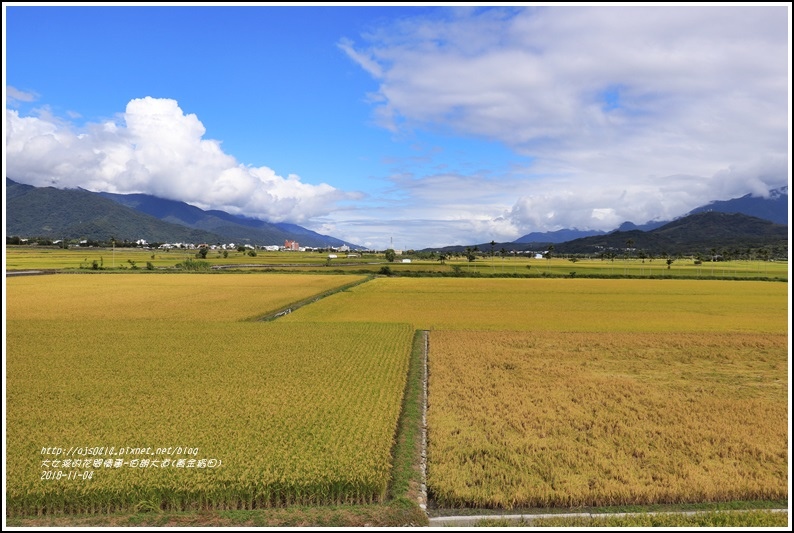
(748, 221)
(705, 232)
(773, 208)
(80, 214)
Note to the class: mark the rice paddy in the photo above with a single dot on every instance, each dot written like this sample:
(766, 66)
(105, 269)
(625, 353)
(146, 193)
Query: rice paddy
(276, 414)
(542, 392)
(525, 419)
(553, 392)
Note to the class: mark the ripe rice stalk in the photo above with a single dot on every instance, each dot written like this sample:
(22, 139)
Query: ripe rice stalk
(537, 419)
(278, 414)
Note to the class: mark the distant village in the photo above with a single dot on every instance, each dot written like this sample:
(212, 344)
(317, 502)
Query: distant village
(142, 243)
(288, 246)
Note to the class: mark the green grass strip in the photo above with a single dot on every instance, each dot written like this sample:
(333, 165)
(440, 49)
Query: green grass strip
(306, 301)
(406, 478)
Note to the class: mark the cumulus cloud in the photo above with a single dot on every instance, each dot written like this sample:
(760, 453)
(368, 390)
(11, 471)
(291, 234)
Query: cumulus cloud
(156, 148)
(628, 113)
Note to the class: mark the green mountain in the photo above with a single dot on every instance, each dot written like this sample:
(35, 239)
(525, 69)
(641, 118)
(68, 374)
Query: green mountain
(233, 228)
(702, 233)
(79, 214)
(52, 213)
(773, 208)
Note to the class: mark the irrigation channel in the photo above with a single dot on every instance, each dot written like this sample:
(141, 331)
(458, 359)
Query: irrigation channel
(29, 272)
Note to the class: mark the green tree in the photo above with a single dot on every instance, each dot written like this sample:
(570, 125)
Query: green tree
(390, 255)
(194, 265)
(470, 253)
(493, 244)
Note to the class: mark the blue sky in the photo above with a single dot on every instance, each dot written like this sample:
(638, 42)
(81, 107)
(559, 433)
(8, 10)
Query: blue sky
(422, 126)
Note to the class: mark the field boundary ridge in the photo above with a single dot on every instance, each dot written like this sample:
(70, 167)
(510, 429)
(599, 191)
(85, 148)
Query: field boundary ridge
(474, 520)
(283, 311)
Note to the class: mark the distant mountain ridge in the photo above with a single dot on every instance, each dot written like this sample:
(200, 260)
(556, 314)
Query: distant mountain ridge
(80, 214)
(560, 235)
(774, 209)
(234, 227)
(695, 233)
(698, 233)
(565, 235)
(77, 213)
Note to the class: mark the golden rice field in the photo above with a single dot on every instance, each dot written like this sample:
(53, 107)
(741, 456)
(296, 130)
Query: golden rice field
(121, 259)
(176, 297)
(542, 392)
(530, 419)
(33, 257)
(610, 305)
(568, 392)
(274, 413)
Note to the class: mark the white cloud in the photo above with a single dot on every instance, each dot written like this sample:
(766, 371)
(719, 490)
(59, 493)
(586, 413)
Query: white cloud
(430, 211)
(14, 95)
(614, 113)
(156, 148)
(364, 62)
(629, 113)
